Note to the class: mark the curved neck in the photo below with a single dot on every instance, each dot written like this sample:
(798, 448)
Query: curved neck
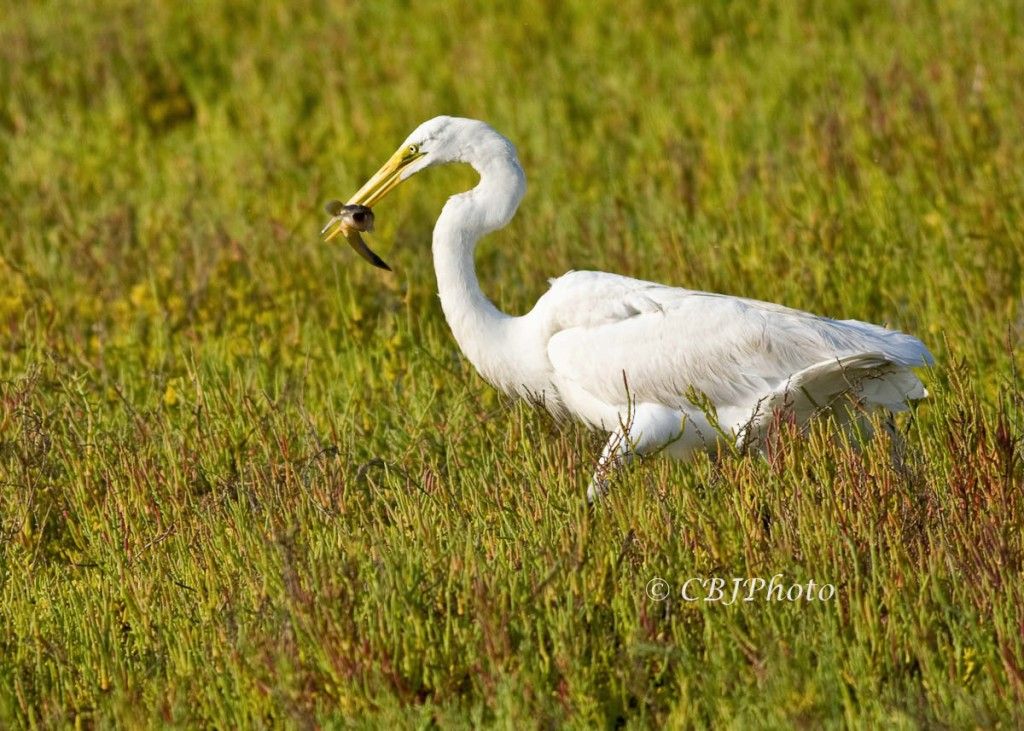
(479, 327)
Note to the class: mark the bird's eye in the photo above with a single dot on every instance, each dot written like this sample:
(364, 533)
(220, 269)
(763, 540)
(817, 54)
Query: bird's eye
(413, 149)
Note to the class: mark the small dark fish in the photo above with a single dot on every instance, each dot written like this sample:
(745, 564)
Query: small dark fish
(357, 243)
(349, 220)
(355, 217)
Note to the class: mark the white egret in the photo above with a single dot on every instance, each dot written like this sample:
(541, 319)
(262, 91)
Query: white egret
(656, 366)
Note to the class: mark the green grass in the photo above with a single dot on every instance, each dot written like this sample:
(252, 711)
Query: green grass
(247, 480)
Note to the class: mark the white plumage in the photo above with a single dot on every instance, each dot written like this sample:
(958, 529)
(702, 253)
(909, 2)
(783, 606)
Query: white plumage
(640, 360)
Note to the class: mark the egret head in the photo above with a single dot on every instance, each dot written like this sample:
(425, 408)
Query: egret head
(435, 142)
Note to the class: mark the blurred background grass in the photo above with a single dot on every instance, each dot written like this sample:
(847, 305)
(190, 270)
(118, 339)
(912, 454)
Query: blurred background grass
(247, 479)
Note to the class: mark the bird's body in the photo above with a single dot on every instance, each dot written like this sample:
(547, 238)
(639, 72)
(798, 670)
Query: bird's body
(656, 366)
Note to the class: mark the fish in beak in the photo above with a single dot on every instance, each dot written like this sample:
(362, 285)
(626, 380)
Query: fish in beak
(351, 218)
(350, 221)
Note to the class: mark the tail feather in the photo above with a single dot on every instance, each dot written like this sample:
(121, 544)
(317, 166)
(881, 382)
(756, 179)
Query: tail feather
(865, 381)
(896, 347)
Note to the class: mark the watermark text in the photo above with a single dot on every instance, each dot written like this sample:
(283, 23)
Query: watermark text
(719, 590)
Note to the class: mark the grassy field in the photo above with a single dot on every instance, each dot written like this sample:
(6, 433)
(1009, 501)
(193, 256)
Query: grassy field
(248, 480)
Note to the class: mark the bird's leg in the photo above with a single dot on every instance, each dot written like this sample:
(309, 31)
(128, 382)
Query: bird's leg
(616, 453)
(645, 428)
(897, 445)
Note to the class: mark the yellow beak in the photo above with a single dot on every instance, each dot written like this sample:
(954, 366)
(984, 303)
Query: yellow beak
(387, 178)
(383, 182)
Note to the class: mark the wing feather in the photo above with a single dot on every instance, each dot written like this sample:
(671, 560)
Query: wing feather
(666, 342)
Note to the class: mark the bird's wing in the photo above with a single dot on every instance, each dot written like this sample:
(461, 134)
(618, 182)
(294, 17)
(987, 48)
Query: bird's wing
(607, 330)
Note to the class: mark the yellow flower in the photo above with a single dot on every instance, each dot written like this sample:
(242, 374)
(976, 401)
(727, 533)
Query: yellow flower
(138, 294)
